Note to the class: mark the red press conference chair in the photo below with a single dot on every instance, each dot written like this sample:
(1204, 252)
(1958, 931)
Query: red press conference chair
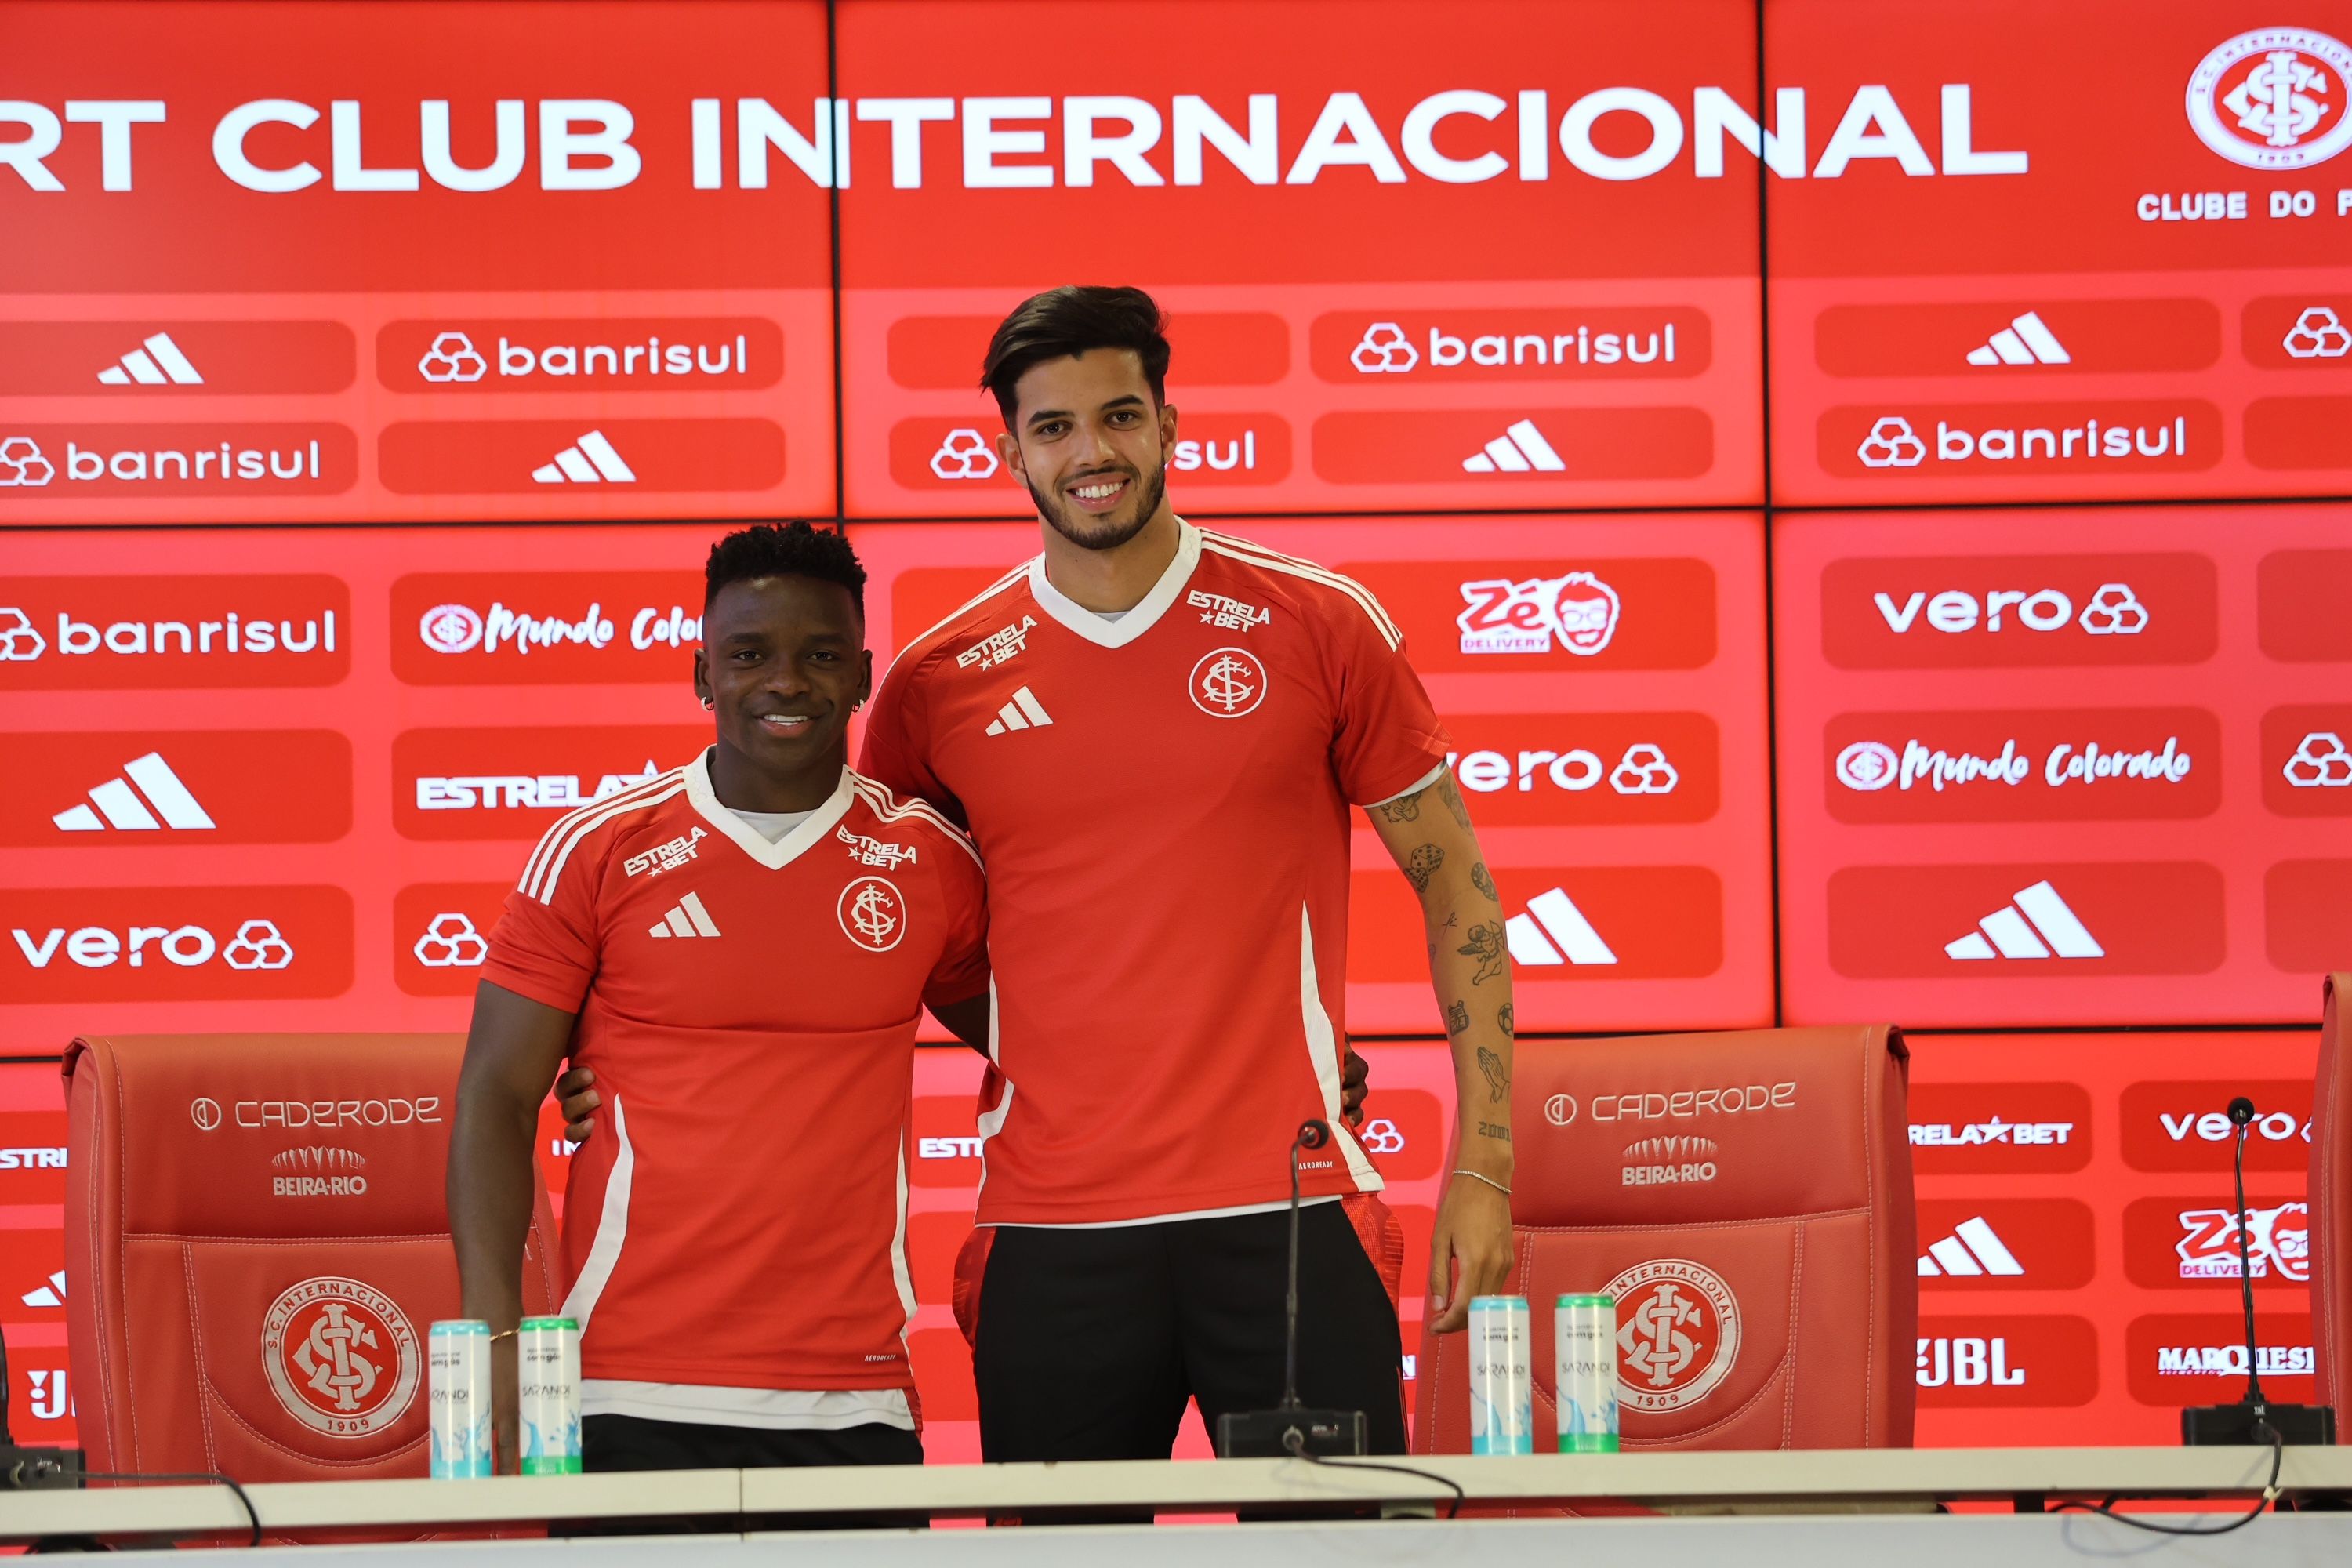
(2331, 1202)
(1747, 1199)
(258, 1246)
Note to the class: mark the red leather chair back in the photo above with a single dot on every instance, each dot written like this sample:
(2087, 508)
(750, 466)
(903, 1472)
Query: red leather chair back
(1747, 1199)
(258, 1246)
(2331, 1202)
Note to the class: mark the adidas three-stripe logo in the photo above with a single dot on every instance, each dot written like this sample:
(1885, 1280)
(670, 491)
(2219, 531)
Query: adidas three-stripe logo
(1554, 931)
(2027, 339)
(1024, 713)
(2009, 933)
(125, 810)
(156, 362)
(1972, 1251)
(685, 918)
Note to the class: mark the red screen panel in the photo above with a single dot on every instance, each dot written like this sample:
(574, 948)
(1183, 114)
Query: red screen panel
(1300, 191)
(365, 732)
(2077, 1260)
(1602, 679)
(1998, 278)
(2051, 767)
(314, 262)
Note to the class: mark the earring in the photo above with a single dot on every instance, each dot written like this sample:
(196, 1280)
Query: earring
(857, 705)
(708, 704)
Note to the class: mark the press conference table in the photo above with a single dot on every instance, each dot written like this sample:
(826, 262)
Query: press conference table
(1770, 1506)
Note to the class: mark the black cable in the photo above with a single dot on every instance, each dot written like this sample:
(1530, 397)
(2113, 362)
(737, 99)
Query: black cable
(138, 1477)
(1295, 1441)
(2263, 1504)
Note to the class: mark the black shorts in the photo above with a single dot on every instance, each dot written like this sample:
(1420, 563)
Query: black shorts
(609, 1442)
(1090, 1341)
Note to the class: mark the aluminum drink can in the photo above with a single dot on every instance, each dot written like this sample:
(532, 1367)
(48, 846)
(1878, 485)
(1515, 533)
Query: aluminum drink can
(1502, 1382)
(547, 1363)
(459, 1395)
(1584, 1368)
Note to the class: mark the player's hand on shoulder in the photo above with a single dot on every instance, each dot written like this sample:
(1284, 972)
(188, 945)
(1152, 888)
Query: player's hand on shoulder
(576, 1091)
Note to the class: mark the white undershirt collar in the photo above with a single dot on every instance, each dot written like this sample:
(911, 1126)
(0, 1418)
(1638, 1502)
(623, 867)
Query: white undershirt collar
(783, 851)
(1087, 624)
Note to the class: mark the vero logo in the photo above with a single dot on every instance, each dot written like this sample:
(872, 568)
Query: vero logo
(2012, 611)
(176, 944)
(156, 788)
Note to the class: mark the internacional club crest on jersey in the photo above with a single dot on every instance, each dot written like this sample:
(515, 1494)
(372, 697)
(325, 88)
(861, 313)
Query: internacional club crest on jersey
(1228, 682)
(2274, 98)
(341, 1356)
(872, 914)
(1677, 1333)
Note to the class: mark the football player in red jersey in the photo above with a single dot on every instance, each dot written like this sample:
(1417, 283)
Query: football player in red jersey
(761, 926)
(1155, 734)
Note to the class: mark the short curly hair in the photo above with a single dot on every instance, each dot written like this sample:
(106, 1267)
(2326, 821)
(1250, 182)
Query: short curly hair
(785, 549)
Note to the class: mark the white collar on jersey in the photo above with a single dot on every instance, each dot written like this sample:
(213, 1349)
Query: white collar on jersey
(1137, 621)
(751, 840)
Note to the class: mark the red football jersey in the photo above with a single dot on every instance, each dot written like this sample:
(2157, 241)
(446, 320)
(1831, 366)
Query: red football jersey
(1163, 802)
(750, 1008)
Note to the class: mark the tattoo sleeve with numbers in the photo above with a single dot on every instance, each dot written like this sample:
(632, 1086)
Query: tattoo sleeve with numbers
(1490, 1130)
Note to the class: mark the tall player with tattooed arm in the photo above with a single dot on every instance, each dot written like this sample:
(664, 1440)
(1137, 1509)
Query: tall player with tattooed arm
(740, 948)
(1157, 757)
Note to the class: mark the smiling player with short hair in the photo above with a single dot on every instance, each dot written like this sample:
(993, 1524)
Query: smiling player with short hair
(1157, 757)
(758, 928)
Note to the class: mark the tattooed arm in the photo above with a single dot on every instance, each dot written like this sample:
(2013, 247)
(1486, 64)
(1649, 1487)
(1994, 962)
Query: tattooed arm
(1430, 836)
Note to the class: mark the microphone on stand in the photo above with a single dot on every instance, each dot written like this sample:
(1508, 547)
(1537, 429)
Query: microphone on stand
(1291, 1428)
(2253, 1418)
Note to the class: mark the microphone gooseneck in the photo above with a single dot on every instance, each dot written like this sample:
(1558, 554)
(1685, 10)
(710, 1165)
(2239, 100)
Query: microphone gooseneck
(1312, 1134)
(2242, 1112)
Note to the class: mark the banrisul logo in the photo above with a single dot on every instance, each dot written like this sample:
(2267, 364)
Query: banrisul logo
(2274, 98)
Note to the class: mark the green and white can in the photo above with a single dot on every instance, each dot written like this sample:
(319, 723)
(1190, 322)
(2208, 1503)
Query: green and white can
(547, 1367)
(1584, 1372)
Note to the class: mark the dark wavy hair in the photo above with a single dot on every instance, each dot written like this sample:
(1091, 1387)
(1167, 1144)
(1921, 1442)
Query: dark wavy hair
(1069, 320)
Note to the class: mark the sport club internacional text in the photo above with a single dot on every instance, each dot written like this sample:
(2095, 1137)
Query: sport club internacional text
(585, 144)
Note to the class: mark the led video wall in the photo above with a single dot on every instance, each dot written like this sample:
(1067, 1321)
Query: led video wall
(1868, 488)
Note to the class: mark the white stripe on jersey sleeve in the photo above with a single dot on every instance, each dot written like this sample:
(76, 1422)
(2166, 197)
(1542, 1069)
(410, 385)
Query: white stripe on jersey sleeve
(1250, 555)
(588, 819)
(889, 807)
(1007, 581)
(564, 823)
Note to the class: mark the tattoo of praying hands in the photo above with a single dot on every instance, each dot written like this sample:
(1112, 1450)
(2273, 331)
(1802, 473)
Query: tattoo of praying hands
(1421, 865)
(1486, 946)
(1458, 1018)
(1498, 1077)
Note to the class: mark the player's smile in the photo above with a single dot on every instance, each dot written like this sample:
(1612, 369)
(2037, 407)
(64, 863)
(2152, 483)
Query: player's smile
(1100, 492)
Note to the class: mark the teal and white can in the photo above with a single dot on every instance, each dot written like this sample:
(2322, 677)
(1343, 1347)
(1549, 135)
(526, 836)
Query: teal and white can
(1584, 1372)
(457, 1394)
(547, 1366)
(1502, 1380)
